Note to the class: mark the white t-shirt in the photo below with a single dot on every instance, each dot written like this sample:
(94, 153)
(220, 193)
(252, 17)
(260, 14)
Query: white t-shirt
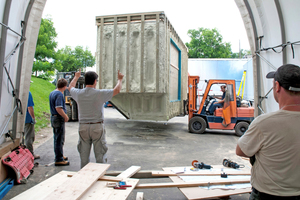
(90, 103)
(274, 139)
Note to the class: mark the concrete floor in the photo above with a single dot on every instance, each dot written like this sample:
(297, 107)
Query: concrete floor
(151, 145)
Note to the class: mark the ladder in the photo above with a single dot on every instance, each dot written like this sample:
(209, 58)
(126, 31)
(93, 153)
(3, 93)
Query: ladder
(242, 84)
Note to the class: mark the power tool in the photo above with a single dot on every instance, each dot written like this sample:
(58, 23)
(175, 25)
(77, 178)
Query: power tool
(231, 164)
(201, 165)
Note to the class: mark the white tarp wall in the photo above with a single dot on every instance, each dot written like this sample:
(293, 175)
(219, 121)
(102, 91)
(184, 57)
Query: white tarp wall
(17, 47)
(270, 24)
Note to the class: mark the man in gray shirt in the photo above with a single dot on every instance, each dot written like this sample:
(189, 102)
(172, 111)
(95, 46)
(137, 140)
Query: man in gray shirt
(90, 103)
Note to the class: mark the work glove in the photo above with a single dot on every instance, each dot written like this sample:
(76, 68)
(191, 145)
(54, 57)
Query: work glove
(33, 121)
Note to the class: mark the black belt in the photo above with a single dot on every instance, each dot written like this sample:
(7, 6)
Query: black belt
(273, 197)
(91, 122)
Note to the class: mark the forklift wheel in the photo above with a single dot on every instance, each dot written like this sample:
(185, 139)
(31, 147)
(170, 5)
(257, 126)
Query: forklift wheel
(241, 128)
(197, 125)
(69, 112)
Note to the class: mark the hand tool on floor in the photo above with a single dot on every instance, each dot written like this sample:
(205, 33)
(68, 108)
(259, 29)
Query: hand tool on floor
(231, 164)
(120, 185)
(201, 165)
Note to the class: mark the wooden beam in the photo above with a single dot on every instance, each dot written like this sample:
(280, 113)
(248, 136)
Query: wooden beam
(198, 173)
(76, 186)
(8, 146)
(139, 196)
(104, 178)
(190, 184)
(129, 172)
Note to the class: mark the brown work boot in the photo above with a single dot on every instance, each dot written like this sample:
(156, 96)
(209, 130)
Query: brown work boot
(36, 157)
(65, 157)
(62, 163)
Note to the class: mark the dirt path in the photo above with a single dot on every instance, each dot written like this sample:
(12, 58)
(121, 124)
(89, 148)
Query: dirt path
(42, 136)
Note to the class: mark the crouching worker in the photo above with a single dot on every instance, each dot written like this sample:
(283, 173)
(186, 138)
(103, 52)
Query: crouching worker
(90, 103)
(273, 140)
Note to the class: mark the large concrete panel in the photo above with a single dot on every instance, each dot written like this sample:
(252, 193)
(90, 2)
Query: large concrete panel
(148, 51)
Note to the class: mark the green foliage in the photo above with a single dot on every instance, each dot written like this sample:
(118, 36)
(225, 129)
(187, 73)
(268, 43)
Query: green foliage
(242, 54)
(40, 90)
(45, 53)
(72, 60)
(206, 43)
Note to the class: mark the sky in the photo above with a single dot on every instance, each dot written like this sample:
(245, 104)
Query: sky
(74, 20)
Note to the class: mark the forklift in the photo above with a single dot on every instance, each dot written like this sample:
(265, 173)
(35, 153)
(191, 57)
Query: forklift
(236, 116)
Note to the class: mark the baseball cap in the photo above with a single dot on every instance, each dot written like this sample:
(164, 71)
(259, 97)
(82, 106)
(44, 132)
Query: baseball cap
(288, 77)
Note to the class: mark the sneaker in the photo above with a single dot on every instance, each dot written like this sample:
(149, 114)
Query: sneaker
(62, 163)
(36, 157)
(65, 157)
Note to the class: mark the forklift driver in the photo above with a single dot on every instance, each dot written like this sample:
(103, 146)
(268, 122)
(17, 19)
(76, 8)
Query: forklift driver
(218, 104)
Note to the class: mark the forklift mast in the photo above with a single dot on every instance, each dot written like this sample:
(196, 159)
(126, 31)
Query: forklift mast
(192, 98)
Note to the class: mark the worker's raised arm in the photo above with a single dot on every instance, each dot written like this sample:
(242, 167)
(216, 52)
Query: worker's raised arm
(74, 81)
(118, 87)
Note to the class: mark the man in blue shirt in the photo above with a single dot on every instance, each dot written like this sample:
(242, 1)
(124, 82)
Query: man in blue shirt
(58, 119)
(218, 104)
(29, 134)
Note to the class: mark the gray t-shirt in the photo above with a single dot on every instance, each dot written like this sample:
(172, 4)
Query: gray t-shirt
(90, 103)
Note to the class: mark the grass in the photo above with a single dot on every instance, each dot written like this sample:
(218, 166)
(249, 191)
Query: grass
(40, 90)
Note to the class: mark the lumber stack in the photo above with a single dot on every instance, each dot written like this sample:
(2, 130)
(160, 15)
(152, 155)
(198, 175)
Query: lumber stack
(88, 183)
(92, 183)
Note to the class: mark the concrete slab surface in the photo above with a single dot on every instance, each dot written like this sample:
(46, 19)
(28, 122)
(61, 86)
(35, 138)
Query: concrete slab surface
(151, 145)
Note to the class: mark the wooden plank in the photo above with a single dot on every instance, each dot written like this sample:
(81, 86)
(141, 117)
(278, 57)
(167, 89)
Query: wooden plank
(76, 186)
(104, 178)
(100, 191)
(191, 184)
(5, 150)
(192, 193)
(199, 173)
(129, 172)
(3, 168)
(216, 170)
(43, 189)
(8, 146)
(139, 196)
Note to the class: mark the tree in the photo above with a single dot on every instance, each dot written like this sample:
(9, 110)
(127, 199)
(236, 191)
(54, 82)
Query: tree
(206, 43)
(241, 54)
(72, 60)
(45, 54)
(84, 57)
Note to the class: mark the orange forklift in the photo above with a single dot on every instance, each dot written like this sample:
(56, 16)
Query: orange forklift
(233, 116)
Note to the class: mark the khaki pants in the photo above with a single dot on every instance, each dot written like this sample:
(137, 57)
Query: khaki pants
(92, 134)
(29, 136)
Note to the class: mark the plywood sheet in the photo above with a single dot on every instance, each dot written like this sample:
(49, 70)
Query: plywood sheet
(43, 189)
(77, 185)
(200, 193)
(192, 184)
(100, 191)
(216, 170)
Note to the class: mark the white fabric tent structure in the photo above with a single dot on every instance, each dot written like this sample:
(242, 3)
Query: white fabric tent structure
(20, 23)
(270, 24)
(273, 32)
